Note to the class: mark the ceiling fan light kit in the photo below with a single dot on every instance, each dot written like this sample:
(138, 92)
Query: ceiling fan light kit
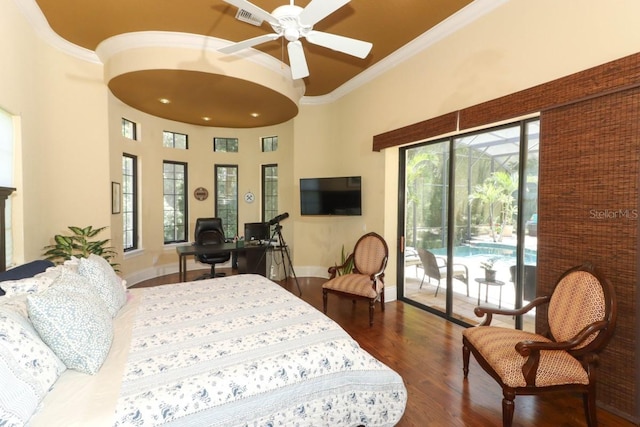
(295, 23)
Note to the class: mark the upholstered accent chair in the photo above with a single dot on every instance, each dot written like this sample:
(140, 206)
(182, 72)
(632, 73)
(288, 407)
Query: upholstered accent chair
(436, 268)
(209, 231)
(581, 320)
(366, 281)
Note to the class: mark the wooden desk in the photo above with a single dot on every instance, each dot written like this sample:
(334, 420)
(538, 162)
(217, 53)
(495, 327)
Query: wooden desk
(246, 264)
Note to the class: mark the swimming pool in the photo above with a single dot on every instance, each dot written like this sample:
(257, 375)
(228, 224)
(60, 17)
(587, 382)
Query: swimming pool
(481, 251)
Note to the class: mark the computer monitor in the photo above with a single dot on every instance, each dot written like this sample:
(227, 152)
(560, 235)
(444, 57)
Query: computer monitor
(256, 231)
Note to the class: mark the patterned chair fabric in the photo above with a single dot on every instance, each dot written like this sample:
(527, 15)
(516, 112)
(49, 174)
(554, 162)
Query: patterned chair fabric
(369, 257)
(581, 319)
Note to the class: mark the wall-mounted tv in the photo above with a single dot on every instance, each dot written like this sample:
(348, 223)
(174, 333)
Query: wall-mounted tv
(331, 196)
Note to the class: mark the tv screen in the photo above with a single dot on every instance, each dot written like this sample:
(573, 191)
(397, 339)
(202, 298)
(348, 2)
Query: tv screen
(331, 196)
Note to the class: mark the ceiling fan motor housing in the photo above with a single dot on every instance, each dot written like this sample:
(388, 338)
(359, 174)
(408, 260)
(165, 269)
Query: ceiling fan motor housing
(289, 25)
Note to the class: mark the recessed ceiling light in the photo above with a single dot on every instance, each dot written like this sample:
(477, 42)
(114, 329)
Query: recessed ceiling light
(255, 114)
(164, 100)
(206, 119)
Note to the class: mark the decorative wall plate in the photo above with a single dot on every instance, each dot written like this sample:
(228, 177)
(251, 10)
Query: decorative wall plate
(249, 197)
(201, 193)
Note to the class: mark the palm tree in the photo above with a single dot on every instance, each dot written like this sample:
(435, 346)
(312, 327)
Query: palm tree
(497, 190)
(488, 194)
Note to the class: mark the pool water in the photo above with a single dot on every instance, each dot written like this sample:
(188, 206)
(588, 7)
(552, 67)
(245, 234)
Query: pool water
(499, 252)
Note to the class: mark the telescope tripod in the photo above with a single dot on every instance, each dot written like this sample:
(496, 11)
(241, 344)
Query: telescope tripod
(277, 231)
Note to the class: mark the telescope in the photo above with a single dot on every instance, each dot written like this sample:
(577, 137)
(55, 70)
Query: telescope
(275, 220)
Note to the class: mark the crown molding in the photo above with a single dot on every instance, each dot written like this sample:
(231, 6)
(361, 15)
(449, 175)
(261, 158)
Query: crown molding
(455, 22)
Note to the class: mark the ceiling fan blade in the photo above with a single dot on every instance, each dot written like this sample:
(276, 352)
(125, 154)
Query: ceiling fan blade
(347, 45)
(319, 9)
(254, 10)
(297, 61)
(232, 48)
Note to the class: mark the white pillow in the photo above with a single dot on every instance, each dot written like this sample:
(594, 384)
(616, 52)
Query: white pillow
(28, 368)
(102, 277)
(73, 320)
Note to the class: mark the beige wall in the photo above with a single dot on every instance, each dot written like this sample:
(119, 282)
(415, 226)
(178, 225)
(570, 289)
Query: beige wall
(70, 125)
(60, 101)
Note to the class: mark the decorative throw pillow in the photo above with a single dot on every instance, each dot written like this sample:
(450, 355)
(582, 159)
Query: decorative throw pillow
(28, 368)
(102, 277)
(73, 320)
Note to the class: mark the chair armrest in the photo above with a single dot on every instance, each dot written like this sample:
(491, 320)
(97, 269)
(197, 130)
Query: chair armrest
(526, 348)
(380, 273)
(490, 311)
(532, 349)
(333, 270)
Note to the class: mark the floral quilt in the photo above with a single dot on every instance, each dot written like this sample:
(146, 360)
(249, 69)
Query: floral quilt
(242, 351)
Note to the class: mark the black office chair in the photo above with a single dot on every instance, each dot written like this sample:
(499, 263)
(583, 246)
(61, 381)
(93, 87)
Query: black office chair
(209, 232)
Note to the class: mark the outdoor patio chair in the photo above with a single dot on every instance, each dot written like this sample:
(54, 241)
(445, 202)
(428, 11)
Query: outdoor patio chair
(581, 320)
(436, 268)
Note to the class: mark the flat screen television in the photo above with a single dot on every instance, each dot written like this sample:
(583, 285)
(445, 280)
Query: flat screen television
(331, 196)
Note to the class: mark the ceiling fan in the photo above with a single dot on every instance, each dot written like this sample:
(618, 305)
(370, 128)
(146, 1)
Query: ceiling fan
(295, 23)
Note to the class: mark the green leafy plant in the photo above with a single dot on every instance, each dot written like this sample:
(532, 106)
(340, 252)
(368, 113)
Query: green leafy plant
(80, 245)
(488, 263)
(346, 262)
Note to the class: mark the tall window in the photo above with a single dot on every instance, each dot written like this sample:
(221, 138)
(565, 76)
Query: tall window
(129, 202)
(174, 175)
(269, 191)
(227, 198)
(225, 145)
(175, 140)
(269, 143)
(129, 129)
(6, 176)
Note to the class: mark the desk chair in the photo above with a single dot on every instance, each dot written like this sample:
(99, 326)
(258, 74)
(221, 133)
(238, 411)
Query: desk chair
(209, 232)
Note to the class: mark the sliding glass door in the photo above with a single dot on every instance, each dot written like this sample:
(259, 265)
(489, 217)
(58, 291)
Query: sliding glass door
(468, 221)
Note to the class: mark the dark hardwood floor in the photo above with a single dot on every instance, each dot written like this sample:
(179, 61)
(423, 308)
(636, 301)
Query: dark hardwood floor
(427, 352)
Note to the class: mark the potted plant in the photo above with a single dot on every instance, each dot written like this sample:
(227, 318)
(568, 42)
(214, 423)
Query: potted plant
(489, 272)
(346, 263)
(80, 245)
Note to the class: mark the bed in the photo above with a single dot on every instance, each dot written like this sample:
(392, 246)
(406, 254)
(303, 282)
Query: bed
(232, 351)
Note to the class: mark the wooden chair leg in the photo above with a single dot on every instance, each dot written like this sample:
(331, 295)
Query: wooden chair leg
(590, 410)
(507, 408)
(465, 359)
(372, 305)
(324, 301)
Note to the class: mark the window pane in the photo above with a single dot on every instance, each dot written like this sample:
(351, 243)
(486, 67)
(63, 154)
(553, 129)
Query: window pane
(129, 205)
(175, 208)
(269, 192)
(269, 143)
(227, 198)
(225, 144)
(466, 190)
(174, 140)
(128, 129)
